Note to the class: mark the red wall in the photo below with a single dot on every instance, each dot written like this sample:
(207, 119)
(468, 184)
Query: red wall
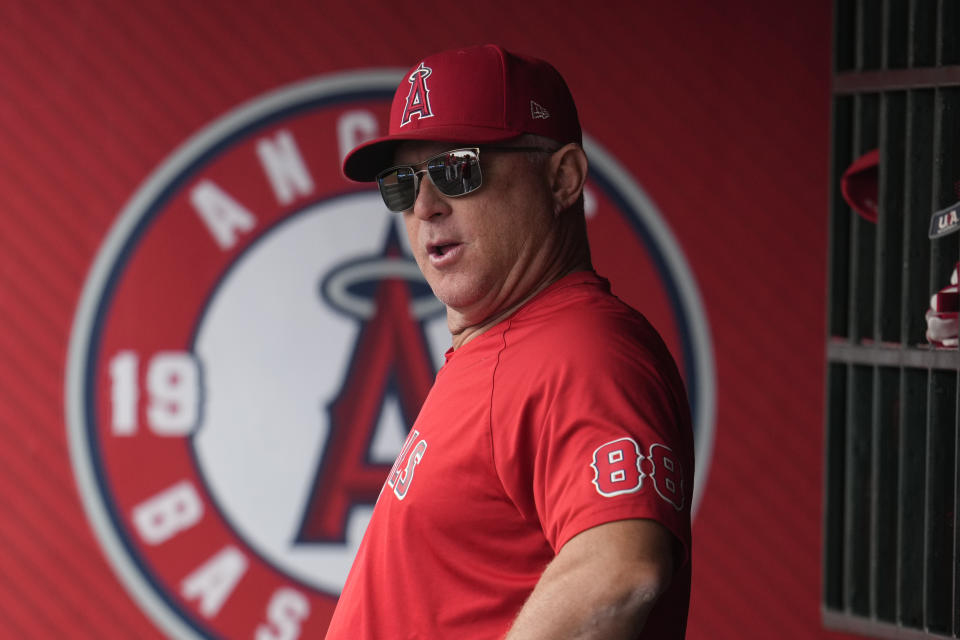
(719, 110)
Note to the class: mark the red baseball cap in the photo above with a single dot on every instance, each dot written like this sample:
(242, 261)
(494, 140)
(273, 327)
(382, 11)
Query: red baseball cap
(474, 95)
(859, 185)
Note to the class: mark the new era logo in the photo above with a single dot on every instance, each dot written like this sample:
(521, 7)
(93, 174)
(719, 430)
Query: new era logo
(537, 112)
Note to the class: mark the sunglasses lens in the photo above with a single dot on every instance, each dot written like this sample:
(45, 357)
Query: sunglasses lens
(456, 173)
(453, 173)
(398, 188)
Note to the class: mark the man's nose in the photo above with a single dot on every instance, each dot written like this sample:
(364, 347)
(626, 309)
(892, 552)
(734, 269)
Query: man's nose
(429, 202)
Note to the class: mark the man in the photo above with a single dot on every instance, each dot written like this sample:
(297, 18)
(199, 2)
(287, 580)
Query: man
(544, 490)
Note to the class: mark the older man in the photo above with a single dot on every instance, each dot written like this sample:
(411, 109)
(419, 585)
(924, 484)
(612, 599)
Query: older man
(544, 489)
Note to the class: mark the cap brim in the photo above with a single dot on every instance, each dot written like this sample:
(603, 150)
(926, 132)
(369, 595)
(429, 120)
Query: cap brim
(370, 158)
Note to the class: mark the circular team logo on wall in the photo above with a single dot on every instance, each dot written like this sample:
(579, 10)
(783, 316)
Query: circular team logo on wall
(254, 341)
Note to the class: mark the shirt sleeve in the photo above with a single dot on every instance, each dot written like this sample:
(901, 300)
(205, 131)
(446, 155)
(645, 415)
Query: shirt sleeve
(599, 432)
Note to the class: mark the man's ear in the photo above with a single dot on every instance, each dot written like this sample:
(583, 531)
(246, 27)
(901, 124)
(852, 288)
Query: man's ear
(568, 173)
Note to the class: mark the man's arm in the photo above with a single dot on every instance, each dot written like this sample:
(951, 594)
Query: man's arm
(602, 584)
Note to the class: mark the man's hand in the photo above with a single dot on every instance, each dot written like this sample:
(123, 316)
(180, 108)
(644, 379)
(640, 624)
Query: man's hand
(602, 584)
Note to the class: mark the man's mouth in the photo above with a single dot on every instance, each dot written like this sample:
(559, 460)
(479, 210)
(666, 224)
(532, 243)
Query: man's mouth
(444, 254)
(439, 250)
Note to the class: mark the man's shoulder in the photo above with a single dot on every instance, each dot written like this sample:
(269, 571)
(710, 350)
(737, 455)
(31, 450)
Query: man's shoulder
(582, 315)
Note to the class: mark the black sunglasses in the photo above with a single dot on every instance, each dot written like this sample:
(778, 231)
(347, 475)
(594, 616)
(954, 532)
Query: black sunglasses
(454, 173)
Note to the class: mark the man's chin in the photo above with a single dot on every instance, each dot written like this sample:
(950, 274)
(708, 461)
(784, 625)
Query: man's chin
(454, 291)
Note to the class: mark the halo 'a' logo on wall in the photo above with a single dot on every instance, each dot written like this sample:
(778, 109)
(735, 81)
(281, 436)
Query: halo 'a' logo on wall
(253, 343)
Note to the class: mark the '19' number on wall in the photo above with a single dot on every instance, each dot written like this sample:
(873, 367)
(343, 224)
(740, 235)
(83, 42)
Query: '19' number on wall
(172, 391)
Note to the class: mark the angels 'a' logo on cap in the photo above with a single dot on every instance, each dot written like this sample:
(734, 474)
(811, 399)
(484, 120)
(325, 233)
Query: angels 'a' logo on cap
(418, 100)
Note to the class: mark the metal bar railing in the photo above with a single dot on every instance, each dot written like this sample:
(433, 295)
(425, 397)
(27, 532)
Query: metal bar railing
(889, 259)
(938, 519)
(857, 498)
(884, 479)
(910, 497)
(916, 263)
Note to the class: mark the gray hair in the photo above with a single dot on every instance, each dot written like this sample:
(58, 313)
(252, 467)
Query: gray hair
(539, 160)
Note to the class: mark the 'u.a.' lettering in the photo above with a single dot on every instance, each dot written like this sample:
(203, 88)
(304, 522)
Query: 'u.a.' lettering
(948, 220)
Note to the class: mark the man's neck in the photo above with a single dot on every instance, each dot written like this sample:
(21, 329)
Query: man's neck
(465, 333)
